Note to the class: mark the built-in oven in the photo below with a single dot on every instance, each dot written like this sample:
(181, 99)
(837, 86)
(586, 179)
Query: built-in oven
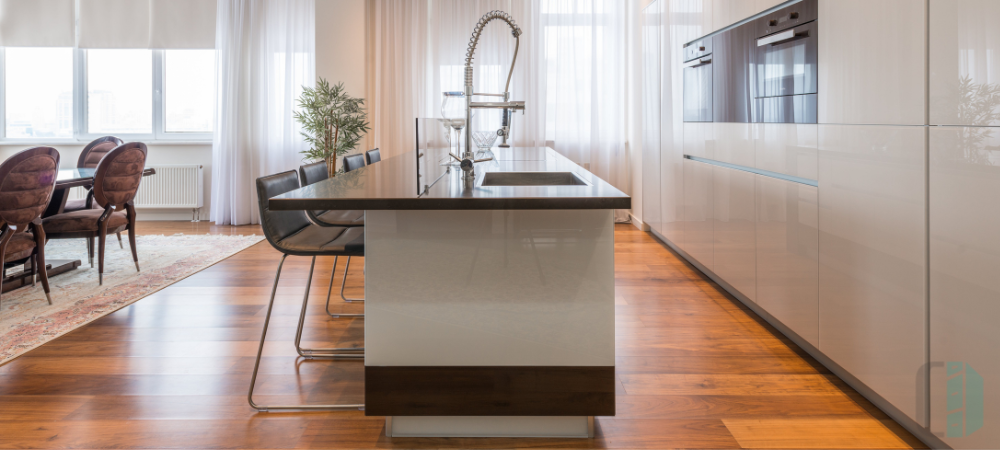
(698, 81)
(786, 64)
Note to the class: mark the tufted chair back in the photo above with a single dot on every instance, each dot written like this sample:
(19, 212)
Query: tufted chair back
(26, 183)
(95, 150)
(118, 175)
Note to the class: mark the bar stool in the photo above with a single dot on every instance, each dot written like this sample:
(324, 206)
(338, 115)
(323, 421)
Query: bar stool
(314, 173)
(372, 156)
(351, 162)
(291, 233)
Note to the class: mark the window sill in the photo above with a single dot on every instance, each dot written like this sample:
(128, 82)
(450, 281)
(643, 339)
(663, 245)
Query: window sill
(58, 142)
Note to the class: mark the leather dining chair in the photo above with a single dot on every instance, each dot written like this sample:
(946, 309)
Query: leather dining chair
(89, 157)
(292, 234)
(352, 162)
(314, 173)
(27, 180)
(115, 183)
(372, 156)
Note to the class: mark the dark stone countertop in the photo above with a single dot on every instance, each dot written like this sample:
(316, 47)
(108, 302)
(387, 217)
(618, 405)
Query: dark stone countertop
(392, 185)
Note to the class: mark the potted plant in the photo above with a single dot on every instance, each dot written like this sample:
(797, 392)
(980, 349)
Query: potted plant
(332, 122)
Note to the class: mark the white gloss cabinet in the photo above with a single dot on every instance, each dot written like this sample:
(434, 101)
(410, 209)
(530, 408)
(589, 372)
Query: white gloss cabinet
(788, 148)
(872, 62)
(965, 286)
(697, 212)
(733, 228)
(728, 12)
(965, 62)
(651, 38)
(872, 257)
(734, 143)
(787, 238)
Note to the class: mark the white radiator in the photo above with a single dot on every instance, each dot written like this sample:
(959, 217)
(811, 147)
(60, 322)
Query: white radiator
(179, 186)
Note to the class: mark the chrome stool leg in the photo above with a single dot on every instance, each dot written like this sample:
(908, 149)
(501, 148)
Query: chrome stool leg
(329, 291)
(256, 366)
(312, 353)
(344, 284)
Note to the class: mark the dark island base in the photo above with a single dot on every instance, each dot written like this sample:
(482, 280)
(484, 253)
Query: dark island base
(489, 391)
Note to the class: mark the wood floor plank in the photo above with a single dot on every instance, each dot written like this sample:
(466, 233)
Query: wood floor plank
(694, 368)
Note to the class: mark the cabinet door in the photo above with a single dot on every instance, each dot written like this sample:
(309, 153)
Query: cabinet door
(964, 62)
(871, 62)
(651, 116)
(671, 134)
(788, 254)
(965, 287)
(872, 257)
(728, 12)
(697, 213)
(788, 148)
(734, 229)
(734, 143)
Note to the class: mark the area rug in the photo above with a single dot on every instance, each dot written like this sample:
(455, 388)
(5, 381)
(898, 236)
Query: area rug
(27, 320)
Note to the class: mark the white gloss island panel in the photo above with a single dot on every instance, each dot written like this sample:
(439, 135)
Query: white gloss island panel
(965, 286)
(788, 254)
(872, 62)
(734, 229)
(964, 62)
(489, 426)
(788, 148)
(872, 258)
(489, 288)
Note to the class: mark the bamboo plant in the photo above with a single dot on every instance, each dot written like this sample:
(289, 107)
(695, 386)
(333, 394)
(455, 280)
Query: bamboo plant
(332, 122)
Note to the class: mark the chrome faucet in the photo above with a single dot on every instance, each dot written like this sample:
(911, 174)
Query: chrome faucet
(468, 157)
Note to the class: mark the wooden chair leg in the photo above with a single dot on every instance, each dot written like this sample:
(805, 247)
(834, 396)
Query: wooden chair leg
(120, 240)
(39, 233)
(102, 238)
(90, 251)
(130, 214)
(4, 239)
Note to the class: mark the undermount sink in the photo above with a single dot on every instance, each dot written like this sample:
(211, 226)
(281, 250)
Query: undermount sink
(532, 179)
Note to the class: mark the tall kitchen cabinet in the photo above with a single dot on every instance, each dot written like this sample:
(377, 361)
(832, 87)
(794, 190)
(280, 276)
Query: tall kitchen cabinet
(872, 196)
(965, 222)
(652, 32)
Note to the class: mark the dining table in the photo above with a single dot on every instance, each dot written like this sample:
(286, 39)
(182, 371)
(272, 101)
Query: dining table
(65, 181)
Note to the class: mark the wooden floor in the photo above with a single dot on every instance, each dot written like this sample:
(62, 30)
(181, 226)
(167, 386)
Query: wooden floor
(695, 369)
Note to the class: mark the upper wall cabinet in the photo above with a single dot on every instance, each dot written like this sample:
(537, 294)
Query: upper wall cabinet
(964, 62)
(872, 62)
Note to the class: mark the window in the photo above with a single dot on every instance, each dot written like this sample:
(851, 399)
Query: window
(189, 85)
(136, 94)
(38, 83)
(119, 91)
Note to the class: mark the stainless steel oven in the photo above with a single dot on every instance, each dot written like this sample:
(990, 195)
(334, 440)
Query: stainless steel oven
(698, 81)
(786, 64)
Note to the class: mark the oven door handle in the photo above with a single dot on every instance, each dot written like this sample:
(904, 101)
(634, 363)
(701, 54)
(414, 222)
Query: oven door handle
(782, 37)
(697, 63)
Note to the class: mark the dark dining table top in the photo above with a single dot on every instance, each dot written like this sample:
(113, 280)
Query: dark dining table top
(392, 185)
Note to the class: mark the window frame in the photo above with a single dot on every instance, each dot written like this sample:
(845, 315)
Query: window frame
(81, 132)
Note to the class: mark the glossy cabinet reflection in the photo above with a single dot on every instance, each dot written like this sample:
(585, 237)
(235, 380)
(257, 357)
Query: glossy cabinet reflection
(787, 148)
(965, 285)
(733, 143)
(787, 240)
(872, 62)
(698, 211)
(651, 35)
(965, 62)
(733, 229)
(872, 250)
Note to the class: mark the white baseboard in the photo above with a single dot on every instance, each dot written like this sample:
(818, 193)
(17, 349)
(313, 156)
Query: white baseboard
(167, 214)
(642, 226)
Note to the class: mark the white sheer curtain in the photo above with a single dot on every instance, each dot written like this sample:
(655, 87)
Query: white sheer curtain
(265, 54)
(570, 71)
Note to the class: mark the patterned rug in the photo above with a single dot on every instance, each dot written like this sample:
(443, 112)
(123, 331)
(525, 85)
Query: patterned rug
(27, 320)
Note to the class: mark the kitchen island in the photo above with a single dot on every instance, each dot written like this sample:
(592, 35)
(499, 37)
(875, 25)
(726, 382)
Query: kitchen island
(489, 304)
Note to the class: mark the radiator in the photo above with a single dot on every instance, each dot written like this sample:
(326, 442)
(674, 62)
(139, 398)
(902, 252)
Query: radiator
(178, 186)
